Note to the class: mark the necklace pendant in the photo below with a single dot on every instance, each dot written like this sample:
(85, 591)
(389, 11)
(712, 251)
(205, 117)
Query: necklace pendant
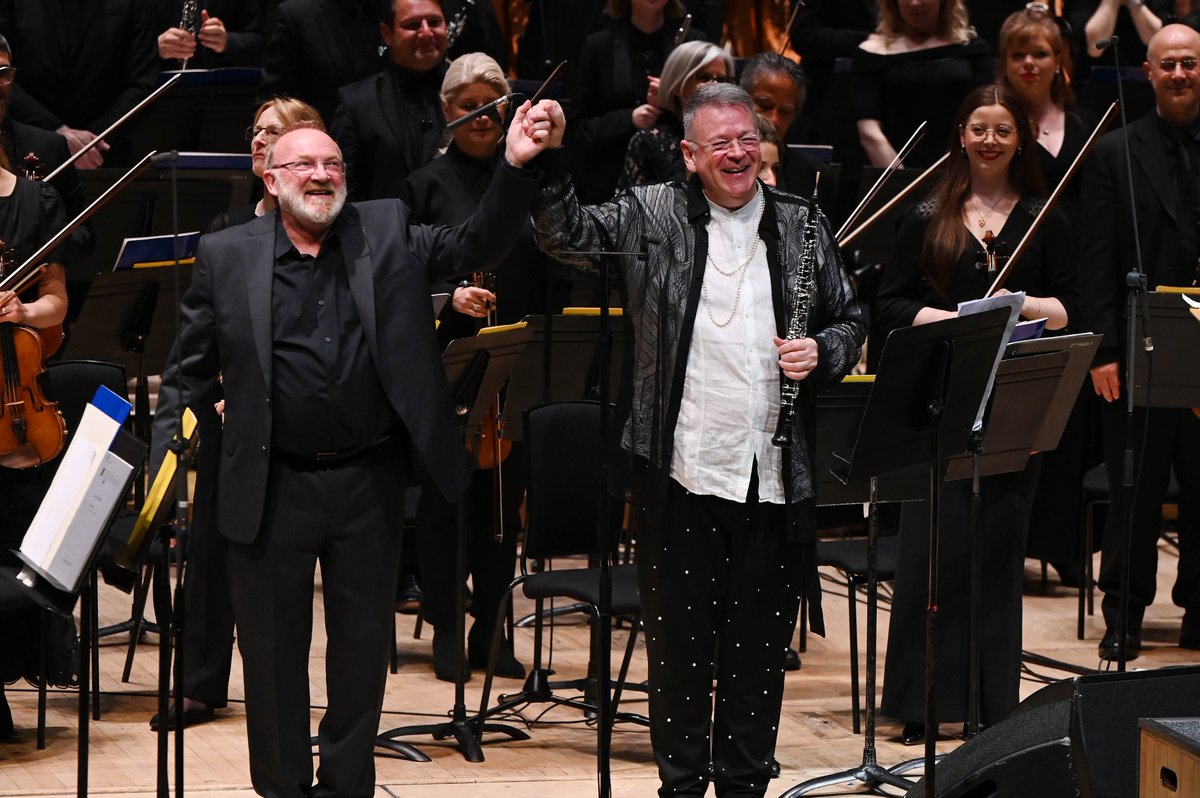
(982, 223)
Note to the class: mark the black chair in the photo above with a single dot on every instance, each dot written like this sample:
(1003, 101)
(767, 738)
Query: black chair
(850, 557)
(562, 518)
(1095, 493)
(12, 598)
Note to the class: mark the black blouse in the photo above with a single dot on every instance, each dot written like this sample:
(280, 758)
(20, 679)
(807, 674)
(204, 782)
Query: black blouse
(1047, 269)
(447, 191)
(655, 155)
(30, 216)
(903, 90)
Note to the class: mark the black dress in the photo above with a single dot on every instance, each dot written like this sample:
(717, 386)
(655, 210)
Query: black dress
(1054, 531)
(610, 83)
(447, 190)
(903, 90)
(28, 217)
(1047, 269)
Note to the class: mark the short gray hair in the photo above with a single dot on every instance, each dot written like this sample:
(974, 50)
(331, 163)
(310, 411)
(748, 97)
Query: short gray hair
(683, 63)
(715, 94)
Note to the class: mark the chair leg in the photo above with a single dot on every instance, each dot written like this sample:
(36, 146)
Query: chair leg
(41, 710)
(852, 593)
(620, 686)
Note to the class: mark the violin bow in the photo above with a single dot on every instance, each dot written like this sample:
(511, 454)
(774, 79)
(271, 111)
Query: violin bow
(908, 147)
(151, 97)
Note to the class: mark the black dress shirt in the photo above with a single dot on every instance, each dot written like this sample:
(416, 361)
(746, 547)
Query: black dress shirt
(420, 110)
(328, 396)
(1182, 146)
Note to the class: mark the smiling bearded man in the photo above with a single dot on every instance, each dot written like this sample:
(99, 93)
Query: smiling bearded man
(726, 518)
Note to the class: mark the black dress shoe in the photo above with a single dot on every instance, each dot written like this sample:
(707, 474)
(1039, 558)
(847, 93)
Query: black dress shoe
(191, 717)
(912, 733)
(444, 645)
(1108, 647)
(408, 594)
(1069, 573)
(791, 660)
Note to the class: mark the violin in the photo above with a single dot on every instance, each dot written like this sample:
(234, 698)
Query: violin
(491, 447)
(32, 431)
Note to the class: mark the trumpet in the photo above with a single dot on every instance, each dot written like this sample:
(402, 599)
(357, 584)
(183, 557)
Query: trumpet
(798, 310)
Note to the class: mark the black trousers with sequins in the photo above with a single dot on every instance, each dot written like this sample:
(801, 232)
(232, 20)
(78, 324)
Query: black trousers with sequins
(720, 589)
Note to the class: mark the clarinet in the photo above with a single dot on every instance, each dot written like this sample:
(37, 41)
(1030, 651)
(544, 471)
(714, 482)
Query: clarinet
(187, 22)
(798, 310)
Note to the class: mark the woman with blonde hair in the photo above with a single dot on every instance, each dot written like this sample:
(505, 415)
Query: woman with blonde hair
(922, 59)
(654, 155)
(446, 191)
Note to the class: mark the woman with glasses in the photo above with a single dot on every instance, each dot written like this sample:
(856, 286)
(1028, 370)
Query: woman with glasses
(917, 66)
(654, 154)
(948, 251)
(1035, 60)
(208, 647)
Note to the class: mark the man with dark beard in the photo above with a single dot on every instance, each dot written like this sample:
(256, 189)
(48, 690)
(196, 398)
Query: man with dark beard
(318, 320)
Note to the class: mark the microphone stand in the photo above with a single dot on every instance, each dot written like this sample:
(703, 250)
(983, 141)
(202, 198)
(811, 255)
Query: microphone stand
(1135, 282)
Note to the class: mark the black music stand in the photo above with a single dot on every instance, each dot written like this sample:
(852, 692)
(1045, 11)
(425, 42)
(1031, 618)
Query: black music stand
(561, 370)
(119, 323)
(477, 369)
(1167, 377)
(928, 390)
(1032, 398)
(62, 602)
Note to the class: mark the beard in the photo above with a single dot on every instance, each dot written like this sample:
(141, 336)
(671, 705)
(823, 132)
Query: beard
(314, 210)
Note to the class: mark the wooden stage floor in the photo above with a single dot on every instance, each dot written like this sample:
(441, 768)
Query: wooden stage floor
(559, 758)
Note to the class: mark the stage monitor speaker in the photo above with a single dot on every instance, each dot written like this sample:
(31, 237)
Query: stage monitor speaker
(1077, 737)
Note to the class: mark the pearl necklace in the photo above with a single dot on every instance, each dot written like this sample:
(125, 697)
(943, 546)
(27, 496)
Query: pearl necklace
(739, 271)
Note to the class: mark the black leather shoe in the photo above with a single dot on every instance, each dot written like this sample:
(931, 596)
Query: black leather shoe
(1069, 573)
(1108, 647)
(191, 717)
(791, 660)
(913, 733)
(408, 594)
(443, 657)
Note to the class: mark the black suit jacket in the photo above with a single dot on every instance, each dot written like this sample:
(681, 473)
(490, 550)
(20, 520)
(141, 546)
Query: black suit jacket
(390, 262)
(315, 48)
(114, 67)
(371, 129)
(1107, 250)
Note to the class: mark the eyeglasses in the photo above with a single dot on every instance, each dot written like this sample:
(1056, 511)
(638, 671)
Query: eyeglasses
(980, 132)
(7, 75)
(1169, 64)
(711, 77)
(749, 143)
(306, 169)
(272, 131)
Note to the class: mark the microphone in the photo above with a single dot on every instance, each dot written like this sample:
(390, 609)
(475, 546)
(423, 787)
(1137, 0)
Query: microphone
(486, 108)
(1104, 44)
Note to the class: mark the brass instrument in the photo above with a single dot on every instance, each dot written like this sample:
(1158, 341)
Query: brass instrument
(801, 305)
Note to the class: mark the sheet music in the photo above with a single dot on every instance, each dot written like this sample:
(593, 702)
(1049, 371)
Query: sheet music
(1011, 301)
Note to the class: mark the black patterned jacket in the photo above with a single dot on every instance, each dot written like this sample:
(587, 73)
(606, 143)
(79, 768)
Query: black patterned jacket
(670, 222)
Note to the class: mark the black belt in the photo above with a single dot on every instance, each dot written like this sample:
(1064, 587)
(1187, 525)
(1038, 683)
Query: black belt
(319, 460)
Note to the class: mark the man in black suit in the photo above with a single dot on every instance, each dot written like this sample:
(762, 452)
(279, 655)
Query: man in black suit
(318, 320)
(389, 125)
(824, 31)
(84, 64)
(318, 46)
(1165, 146)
